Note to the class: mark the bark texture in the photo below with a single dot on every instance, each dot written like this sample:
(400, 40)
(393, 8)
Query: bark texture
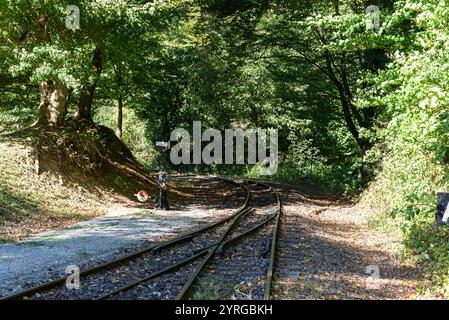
(88, 90)
(53, 103)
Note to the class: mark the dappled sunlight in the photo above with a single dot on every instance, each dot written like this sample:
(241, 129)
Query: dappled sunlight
(334, 248)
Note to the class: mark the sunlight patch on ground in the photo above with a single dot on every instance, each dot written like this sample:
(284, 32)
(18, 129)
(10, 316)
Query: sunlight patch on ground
(98, 239)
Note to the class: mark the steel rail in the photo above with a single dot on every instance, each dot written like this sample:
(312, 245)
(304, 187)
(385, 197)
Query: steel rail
(241, 235)
(153, 248)
(268, 284)
(170, 268)
(211, 251)
(221, 243)
(197, 253)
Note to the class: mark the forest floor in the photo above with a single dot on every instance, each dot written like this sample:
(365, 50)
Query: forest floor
(327, 250)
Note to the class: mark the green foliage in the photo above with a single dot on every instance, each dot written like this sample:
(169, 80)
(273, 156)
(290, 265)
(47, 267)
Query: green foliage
(18, 107)
(350, 104)
(413, 139)
(134, 133)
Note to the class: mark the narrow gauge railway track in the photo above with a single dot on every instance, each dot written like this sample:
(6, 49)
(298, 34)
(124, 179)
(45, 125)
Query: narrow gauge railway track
(241, 269)
(155, 248)
(170, 263)
(248, 223)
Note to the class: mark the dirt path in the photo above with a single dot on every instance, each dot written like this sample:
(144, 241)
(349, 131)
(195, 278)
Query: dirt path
(331, 253)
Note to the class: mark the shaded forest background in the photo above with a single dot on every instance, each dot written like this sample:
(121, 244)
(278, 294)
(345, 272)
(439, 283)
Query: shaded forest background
(359, 111)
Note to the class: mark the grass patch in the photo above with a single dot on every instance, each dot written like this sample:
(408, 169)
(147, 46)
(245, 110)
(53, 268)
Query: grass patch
(212, 288)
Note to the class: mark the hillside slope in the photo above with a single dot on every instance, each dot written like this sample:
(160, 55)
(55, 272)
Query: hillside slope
(52, 177)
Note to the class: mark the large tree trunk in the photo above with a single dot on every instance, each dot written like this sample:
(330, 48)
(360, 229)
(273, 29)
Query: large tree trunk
(53, 103)
(85, 102)
(53, 100)
(88, 90)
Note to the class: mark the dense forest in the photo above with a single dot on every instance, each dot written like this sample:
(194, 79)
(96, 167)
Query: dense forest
(361, 109)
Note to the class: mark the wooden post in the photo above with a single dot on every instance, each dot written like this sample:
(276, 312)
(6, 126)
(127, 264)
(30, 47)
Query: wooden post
(442, 203)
